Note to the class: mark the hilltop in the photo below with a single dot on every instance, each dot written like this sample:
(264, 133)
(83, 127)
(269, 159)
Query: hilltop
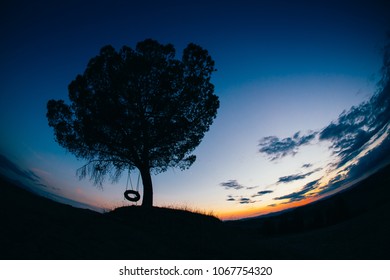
(34, 227)
(358, 227)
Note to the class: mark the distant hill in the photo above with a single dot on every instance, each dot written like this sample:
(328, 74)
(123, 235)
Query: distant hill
(367, 196)
(352, 225)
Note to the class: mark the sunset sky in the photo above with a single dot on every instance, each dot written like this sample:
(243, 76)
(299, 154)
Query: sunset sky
(288, 75)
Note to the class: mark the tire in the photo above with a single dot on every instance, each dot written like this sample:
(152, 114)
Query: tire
(131, 195)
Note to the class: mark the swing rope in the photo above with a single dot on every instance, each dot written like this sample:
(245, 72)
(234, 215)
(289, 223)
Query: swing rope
(128, 179)
(139, 175)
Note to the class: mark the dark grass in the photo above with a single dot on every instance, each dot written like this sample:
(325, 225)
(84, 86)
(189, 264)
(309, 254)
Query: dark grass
(37, 228)
(34, 227)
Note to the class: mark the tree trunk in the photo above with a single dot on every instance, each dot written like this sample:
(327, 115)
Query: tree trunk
(147, 200)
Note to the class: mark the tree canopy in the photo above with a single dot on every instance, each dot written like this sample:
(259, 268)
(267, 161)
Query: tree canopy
(140, 108)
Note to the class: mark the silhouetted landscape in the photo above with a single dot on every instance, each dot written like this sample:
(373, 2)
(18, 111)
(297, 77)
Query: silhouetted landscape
(208, 131)
(354, 224)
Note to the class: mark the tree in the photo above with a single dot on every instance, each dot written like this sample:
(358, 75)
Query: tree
(140, 109)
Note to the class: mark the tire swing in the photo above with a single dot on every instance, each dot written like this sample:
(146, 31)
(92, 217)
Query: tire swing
(132, 195)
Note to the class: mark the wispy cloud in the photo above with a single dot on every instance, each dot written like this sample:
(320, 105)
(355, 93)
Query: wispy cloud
(261, 193)
(246, 200)
(307, 165)
(8, 168)
(230, 198)
(276, 148)
(373, 159)
(232, 184)
(300, 195)
(296, 177)
(241, 199)
(353, 130)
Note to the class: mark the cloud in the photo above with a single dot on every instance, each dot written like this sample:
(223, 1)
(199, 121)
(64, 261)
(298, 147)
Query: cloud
(377, 157)
(356, 127)
(261, 193)
(241, 199)
(307, 165)
(277, 148)
(333, 185)
(351, 131)
(245, 200)
(9, 168)
(348, 134)
(47, 187)
(74, 203)
(300, 195)
(359, 138)
(296, 177)
(230, 198)
(291, 178)
(42, 185)
(367, 164)
(232, 184)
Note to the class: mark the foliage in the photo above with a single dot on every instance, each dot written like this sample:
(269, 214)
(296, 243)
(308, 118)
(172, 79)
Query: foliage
(139, 108)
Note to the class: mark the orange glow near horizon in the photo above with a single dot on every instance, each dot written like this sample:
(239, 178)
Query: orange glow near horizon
(248, 213)
(225, 214)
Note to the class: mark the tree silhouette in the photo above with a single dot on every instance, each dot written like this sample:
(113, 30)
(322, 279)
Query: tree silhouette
(139, 108)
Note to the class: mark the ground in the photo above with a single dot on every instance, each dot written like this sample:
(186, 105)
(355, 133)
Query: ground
(351, 225)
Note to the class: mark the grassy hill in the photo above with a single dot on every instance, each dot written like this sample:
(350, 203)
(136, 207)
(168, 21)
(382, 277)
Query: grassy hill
(34, 227)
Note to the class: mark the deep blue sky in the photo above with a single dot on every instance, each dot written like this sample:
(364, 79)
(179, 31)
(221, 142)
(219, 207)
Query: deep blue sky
(283, 67)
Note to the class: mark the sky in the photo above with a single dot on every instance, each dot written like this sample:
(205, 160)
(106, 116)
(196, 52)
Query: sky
(301, 113)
